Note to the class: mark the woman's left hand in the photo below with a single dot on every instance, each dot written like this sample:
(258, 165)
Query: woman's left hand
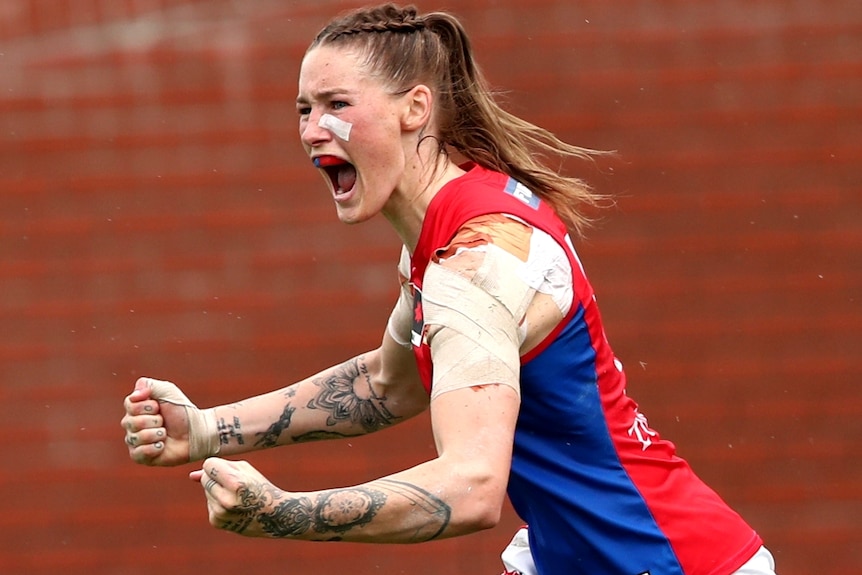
(239, 497)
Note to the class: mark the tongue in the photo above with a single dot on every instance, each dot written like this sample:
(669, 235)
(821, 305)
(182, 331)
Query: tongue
(346, 177)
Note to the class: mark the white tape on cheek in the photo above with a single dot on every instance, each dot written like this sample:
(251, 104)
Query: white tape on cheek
(336, 125)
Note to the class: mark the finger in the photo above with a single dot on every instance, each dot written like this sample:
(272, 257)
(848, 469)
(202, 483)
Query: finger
(216, 468)
(134, 423)
(209, 484)
(143, 389)
(143, 407)
(145, 437)
(197, 475)
(144, 384)
(147, 454)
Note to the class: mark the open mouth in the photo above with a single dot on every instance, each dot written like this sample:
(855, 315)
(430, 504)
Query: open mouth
(341, 173)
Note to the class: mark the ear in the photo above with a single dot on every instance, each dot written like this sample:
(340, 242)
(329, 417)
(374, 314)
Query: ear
(418, 106)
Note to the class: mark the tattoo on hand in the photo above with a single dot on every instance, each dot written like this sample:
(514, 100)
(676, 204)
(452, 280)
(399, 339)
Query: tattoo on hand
(347, 396)
(270, 437)
(253, 497)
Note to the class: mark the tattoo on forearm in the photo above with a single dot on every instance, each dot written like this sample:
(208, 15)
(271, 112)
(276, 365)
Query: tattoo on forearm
(320, 436)
(269, 438)
(347, 396)
(433, 514)
(228, 430)
(333, 513)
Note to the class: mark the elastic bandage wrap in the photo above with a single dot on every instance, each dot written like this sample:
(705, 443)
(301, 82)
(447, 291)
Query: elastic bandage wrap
(472, 323)
(203, 433)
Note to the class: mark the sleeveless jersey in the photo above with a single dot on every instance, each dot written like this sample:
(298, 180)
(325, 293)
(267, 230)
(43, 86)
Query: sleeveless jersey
(602, 492)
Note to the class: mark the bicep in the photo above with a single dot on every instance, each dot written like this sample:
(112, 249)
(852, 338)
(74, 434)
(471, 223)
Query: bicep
(474, 429)
(396, 377)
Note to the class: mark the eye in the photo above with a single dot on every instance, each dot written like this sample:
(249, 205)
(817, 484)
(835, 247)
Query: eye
(339, 105)
(303, 110)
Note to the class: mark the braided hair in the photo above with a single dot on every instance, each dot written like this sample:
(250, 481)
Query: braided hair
(403, 48)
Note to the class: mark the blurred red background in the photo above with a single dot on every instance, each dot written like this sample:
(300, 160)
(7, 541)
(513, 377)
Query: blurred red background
(158, 217)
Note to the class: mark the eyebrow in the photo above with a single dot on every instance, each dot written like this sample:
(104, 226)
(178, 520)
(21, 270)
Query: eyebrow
(325, 94)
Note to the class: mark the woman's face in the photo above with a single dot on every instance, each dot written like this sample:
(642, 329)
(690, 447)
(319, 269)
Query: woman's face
(359, 147)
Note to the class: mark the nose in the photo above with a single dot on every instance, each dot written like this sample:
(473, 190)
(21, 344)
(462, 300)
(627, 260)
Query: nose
(311, 133)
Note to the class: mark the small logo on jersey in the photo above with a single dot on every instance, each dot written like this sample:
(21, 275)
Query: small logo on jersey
(418, 318)
(640, 429)
(521, 192)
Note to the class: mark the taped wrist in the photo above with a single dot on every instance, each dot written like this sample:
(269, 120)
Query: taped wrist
(203, 432)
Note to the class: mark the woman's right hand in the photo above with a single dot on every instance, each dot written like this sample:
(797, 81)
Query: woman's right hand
(157, 432)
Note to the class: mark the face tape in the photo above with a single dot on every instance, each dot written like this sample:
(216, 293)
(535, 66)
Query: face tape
(336, 125)
(473, 335)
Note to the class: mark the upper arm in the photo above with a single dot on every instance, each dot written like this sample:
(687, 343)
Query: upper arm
(395, 372)
(474, 430)
(396, 377)
(476, 423)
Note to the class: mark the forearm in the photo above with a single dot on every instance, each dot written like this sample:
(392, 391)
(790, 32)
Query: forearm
(424, 503)
(342, 401)
(460, 491)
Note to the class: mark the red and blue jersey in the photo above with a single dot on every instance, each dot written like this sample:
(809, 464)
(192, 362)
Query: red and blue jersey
(602, 492)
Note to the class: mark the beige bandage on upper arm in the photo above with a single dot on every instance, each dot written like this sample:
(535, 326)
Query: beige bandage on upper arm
(472, 322)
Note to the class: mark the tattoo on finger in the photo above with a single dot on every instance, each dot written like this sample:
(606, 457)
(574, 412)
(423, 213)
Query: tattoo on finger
(208, 486)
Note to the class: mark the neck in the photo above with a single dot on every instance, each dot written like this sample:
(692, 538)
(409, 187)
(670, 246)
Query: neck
(406, 209)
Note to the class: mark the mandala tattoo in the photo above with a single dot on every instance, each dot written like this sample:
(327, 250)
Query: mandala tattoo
(343, 509)
(270, 437)
(335, 511)
(339, 397)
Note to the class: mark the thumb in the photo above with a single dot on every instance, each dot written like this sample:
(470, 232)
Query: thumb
(142, 389)
(142, 383)
(166, 391)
